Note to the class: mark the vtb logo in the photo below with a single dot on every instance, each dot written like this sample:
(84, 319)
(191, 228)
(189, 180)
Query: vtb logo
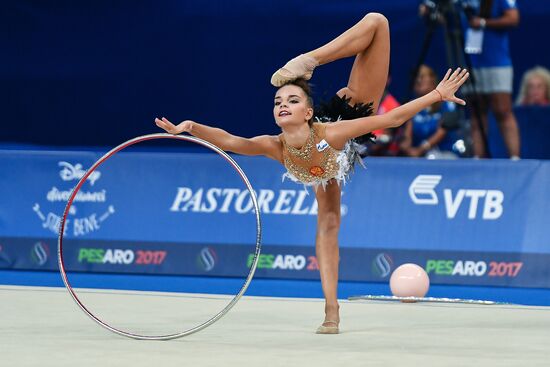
(422, 192)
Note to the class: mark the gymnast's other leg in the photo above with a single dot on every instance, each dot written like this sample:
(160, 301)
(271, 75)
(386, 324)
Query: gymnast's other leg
(369, 41)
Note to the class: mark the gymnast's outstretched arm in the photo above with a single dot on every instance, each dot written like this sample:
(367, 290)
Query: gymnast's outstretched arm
(340, 132)
(266, 145)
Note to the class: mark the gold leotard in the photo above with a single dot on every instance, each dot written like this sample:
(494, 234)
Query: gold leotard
(316, 163)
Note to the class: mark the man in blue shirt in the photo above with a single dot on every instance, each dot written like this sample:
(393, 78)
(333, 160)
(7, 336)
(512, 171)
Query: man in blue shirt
(487, 41)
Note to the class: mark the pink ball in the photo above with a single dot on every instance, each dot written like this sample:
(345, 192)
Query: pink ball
(409, 280)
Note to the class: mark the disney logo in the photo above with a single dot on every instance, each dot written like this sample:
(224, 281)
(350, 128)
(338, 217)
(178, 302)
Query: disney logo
(70, 172)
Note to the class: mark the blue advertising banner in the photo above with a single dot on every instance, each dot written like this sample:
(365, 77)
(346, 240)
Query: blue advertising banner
(465, 221)
(285, 262)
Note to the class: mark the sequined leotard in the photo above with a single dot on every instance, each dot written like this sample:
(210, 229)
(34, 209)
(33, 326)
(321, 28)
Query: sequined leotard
(316, 163)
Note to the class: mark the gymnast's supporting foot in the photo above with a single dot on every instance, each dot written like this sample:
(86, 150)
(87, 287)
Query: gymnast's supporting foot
(328, 327)
(299, 67)
(332, 321)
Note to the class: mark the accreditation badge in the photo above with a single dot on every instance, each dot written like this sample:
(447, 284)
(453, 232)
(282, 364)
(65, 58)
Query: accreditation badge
(474, 41)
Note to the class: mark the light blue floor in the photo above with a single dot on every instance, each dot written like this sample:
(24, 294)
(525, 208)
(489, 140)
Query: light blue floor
(265, 287)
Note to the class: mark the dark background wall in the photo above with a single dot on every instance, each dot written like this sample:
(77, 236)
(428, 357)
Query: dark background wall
(98, 72)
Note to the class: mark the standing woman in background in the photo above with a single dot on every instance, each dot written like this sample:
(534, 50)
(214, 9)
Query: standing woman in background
(493, 73)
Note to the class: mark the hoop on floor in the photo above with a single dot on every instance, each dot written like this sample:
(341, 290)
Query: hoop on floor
(85, 177)
(425, 299)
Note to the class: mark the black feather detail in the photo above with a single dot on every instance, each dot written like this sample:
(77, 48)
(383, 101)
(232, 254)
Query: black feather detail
(339, 108)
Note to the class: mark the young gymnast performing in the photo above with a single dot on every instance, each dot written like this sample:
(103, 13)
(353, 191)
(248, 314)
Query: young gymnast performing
(322, 154)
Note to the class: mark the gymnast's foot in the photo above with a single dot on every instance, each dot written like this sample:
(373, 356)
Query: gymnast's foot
(328, 327)
(299, 67)
(332, 321)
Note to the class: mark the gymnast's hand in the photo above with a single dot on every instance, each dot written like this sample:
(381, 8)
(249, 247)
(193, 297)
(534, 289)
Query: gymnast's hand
(183, 127)
(450, 84)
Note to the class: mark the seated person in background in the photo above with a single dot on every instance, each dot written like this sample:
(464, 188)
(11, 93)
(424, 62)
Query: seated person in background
(386, 143)
(535, 88)
(426, 132)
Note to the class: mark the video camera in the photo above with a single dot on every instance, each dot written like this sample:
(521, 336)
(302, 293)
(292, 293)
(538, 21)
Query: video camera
(439, 9)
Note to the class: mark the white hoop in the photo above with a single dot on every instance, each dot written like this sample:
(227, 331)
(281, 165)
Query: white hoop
(85, 177)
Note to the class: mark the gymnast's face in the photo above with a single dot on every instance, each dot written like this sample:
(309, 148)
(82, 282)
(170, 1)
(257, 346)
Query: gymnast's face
(291, 106)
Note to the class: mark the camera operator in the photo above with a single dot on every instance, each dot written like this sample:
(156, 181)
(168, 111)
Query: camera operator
(487, 42)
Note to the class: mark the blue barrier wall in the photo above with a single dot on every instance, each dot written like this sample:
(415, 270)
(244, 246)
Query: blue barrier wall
(534, 127)
(107, 69)
(467, 222)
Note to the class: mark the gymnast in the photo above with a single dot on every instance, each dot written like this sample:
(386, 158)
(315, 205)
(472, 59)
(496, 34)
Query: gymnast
(319, 148)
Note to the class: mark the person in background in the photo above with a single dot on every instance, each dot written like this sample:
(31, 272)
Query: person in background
(490, 22)
(535, 88)
(425, 132)
(386, 143)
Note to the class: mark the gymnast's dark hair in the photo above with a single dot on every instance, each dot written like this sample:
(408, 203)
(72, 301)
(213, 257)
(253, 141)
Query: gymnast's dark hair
(304, 85)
